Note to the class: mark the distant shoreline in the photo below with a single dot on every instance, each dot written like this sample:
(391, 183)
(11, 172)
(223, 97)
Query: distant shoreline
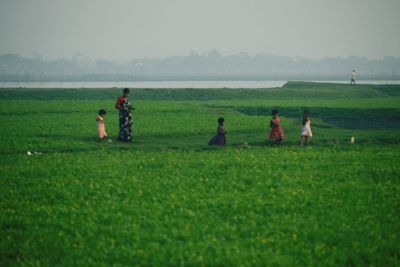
(171, 84)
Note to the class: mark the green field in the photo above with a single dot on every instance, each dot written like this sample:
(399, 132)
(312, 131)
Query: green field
(168, 199)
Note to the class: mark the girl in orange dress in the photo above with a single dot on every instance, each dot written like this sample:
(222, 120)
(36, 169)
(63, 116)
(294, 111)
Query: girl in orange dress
(101, 127)
(276, 128)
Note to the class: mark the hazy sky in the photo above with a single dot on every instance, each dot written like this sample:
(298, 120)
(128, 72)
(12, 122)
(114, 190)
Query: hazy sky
(125, 29)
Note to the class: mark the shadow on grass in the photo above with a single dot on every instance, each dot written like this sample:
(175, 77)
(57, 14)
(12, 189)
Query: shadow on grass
(347, 118)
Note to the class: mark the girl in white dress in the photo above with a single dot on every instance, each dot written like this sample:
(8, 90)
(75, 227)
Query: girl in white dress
(306, 133)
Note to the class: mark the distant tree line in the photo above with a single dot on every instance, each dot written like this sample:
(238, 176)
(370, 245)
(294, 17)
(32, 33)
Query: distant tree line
(210, 66)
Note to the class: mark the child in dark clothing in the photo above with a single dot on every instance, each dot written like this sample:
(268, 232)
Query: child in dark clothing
(219, 139)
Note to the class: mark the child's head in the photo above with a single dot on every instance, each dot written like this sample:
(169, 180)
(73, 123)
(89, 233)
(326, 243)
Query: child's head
(102, 112)
(274, 112)
(221, 121)
(126, 91)
(306, 112)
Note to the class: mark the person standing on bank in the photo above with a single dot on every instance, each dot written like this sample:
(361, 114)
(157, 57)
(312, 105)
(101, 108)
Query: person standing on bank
(353, 77)
(125, 117)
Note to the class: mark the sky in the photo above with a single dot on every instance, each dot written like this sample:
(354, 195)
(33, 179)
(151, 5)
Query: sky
(127, 29)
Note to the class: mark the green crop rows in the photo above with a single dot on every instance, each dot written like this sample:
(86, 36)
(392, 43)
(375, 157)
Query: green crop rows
(168, 199)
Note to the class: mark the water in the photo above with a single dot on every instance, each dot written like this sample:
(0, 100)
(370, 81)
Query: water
(147, 84)
(168, 84)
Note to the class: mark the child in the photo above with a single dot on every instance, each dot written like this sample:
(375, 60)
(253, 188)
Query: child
(306, 133)
(219, 139)
(100, 124)
(276, 128)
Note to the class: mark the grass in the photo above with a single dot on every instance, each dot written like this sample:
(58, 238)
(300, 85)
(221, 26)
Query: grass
(168, 199)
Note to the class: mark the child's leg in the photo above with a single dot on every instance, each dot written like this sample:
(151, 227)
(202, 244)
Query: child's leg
(302, 141)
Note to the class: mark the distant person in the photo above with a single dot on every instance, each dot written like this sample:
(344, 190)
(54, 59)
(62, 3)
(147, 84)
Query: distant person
(219, 139)
(353, 77)
(125, 117)
(101, 127)
(276, 133)
(306, 133)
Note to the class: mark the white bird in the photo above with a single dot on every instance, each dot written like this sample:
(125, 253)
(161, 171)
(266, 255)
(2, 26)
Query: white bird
(352, 140)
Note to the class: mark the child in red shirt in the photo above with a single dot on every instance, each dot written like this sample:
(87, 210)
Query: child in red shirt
(276, 128)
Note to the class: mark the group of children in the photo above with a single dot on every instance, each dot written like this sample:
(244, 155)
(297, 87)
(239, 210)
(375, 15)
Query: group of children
(276, 133)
